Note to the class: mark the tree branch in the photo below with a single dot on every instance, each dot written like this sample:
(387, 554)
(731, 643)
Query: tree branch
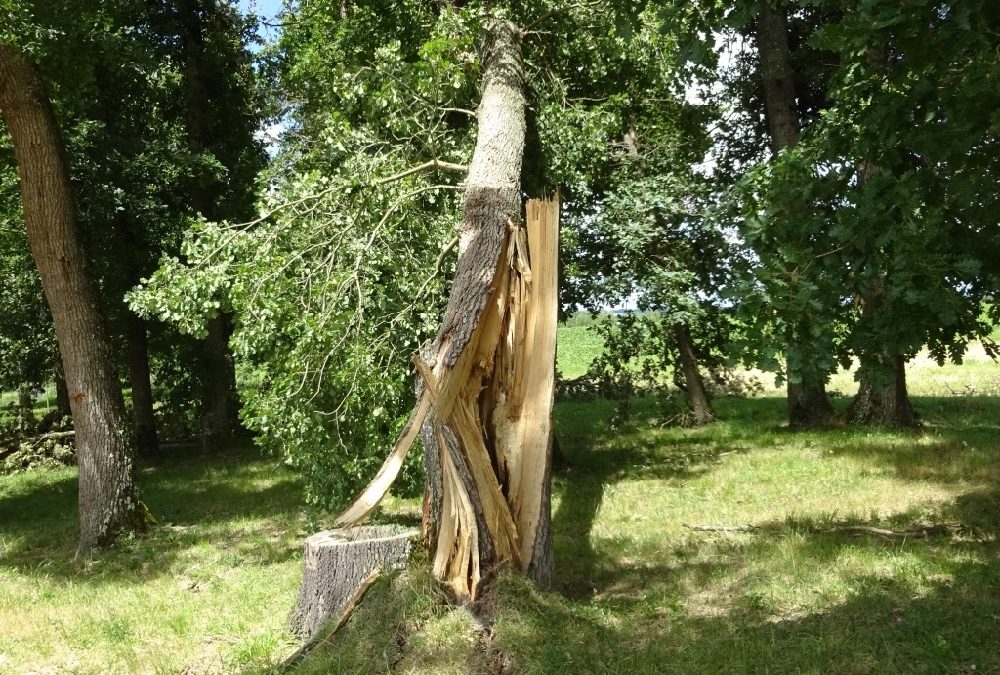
(426, 166)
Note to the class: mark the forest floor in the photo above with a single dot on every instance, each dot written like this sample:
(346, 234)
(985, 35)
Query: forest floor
(637, 589)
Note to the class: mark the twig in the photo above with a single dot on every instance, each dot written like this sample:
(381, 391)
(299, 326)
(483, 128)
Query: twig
(464, 111)
(437, 267)
(722, 528)
(922, 531)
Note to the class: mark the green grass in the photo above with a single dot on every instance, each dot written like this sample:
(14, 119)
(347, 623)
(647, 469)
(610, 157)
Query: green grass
(207, 589)
(578, 345)
(636, 591)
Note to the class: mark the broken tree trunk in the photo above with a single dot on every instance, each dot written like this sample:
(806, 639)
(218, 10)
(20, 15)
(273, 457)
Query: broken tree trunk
(338, 564)
(486, 381)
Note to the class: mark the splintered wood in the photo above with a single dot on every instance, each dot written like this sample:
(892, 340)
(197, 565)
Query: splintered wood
(489, 414)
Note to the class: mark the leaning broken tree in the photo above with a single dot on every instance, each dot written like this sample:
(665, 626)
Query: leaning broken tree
(485, 383)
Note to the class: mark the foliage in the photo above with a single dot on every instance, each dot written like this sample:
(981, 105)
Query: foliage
(341, 278)
(640, 359)
(864, 233)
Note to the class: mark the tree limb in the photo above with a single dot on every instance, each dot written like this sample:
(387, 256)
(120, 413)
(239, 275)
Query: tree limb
(426, 166)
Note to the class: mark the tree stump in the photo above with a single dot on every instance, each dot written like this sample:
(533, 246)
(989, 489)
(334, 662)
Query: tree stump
(337, 563)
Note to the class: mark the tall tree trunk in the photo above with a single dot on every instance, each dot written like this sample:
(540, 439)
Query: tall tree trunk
(808, 403)
(696, 395)
(62, 391)
(219, 407)
(137, 360)
(882, 399)
(488, 378)
(109, 500)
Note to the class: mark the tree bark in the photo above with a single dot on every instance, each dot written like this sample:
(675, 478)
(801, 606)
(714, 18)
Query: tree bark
(137, 359)
(485, 402)
(882, 398)
(697, 396)
(62, 392)
(808, 403)
(336, 563)
(219, 406)
(109, 500)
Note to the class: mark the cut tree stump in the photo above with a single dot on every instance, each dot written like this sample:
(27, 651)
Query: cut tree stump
(338, 563)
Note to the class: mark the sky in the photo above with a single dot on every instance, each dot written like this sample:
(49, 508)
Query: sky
(266, 10)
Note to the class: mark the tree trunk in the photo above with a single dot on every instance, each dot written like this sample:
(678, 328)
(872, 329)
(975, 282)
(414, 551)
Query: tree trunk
(883, 401)
(137, 359)
(109, 501)
(808, 403)
(26, 408)
(219, 407)
(62, 392)
(488, 377)
(696, 395)
(337, 563)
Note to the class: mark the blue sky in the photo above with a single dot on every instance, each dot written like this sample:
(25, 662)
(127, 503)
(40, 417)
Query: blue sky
(265, 8)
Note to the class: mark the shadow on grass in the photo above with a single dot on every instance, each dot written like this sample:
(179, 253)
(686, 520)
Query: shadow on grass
(601, 454)
(234, 500)
(884, 626)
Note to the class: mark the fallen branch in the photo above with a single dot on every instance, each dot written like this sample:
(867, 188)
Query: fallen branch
(923, 531)
(55, 434)
(722, 528)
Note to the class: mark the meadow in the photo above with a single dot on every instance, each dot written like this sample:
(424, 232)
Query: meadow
(740, 547)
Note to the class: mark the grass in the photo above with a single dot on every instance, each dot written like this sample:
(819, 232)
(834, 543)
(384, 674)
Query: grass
(206, 590)
(636, 591)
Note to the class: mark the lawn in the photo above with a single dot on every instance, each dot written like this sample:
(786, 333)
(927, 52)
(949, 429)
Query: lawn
(637, 590)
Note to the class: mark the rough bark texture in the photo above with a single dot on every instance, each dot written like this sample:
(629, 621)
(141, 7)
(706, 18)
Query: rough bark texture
(776, 72)
(137, 360)
(485, 400)
(697, 396)
(337, 562)
(884, 401)
(109, 502)
(808, 403)
(62, 392)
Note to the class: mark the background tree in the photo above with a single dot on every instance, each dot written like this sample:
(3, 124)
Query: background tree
(109, 503)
